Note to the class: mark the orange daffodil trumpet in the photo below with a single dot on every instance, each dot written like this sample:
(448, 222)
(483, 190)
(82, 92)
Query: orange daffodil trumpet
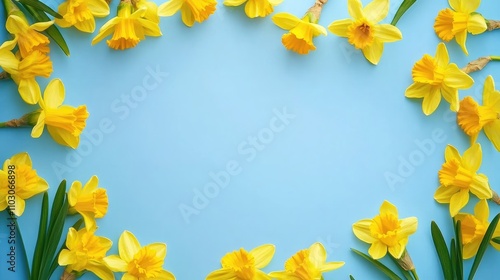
(191, 10)
(89, 201)
(302, 31)
(19, 182)
(473, 228)
(138, 262)
(85, 252)
(460, 20)
(458, 176)
(473, 118)
(128, 28)
(364, 32)
(386, 232)
(245, 265)
(81, 13)
(434, 77)
(255, 8)
(307, 264)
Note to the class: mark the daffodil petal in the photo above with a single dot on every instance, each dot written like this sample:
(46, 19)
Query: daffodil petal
(169, 8)
(361, 230)
(340, 27)
(470, 249)
(461, 37)
(442, 57)
(285, 21)
(482, 211)
(472, 158)
(451, 95)
(20, 205)
(388, 208)
(66, 258)
(21, 158)
(234, 3)
(106, 30)
(431, 101)
(63, 137)
(397, 250)
(492, 130)
(457, 78)
(38, 128)
(355, 9)
(100, 270)
(318, 29)
(373, 52)
(444, 193)
(329, 266)
(480, 187)
(54, 94)
(418, 90)
(87, 26)
(376, 10)
(387, 33)
(128, 246)
(159, 248)
(451, 153)
(476, 24)
(458, 201)
(263, 255)
(41, 26)
(187, 15)
(317, 254)
(222, 274)
(377, 250)
(99, 8)
(491, 97)
(29, 91)
(468, 6)
(115, 263)
(150, 28)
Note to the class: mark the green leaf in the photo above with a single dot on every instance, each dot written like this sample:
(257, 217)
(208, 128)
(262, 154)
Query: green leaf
(483, 246)
(380, 266)
(401, 10)
(351, 278)
(442, 251)
(21, 241)
(496, 239)
(453, 253)
(38, 5)
(40, 241)
(459, 251)
(52, 31)
(58, 202)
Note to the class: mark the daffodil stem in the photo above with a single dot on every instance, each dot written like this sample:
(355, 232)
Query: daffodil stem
(4, 75)
(495, 57)
(479, 64)
(492, 24)
(495, 198)
(68, 276)
(13, 123)
(315, 11)
(414, 273)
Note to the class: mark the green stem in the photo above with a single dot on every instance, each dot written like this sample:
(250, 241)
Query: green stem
(414, 273)
(495, 57)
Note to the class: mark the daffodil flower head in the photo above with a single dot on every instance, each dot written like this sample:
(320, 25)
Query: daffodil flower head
(28, 37)
(128, 27)
(473, 228)
(81, 14)
(20, 184)
(364, 32)
(255, 8)
(386, 232)
(244, 265)
(458, 21)
(138, 262)
(64, 123)
(191, 10)
(85, 252)
(151, 8)
(473, 118)
(301, 31)
(35, 64)
(434, 77)
(458, 176)
(307, 264)
(89, 200)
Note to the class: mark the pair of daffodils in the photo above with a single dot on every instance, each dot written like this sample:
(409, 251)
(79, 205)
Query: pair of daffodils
(307, 264)
(363, 30)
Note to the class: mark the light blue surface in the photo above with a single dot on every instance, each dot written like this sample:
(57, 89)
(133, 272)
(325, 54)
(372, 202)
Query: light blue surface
(222, 82)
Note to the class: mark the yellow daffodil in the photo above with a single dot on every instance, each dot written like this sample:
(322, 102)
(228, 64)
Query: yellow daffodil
(302, 32)
(27, 36)
(81, 13)
(138, 262)
(8, 60)
(307, 264)
(128, 27)
(244, 265)
(458, 176)
(435, 76)
(255, 8)
(473, 228)
(151, 10)
(18, 182)
(35, 64)
(386, 232)
(364, 32)
(191, 10)
(458, 22)
(64, 123)
(89, 201)
(85, 252)
(472, 117)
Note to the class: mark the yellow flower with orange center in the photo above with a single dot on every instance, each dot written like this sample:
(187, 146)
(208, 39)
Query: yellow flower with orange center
(386, 232)
(307, 264)
(128, 27)
(434, 77)
(255, 8)
(244, 265)
(19, 182)
(458, 176)
(81, 13)
(28, 37)
(364, 32)
(89, 200)
(191, 10)
(473, 118)
(139, 263)
(458, 22)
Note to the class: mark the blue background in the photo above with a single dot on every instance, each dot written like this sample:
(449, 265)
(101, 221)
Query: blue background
(220, 83)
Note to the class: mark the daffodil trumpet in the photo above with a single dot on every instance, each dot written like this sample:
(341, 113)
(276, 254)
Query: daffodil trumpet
(479, 64)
